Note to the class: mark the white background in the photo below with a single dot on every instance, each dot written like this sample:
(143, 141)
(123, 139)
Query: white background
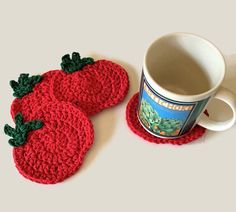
(121, 172)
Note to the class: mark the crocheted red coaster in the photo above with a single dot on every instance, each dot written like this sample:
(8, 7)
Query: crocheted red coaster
(95, 87)
(56, 150)
(136, 127)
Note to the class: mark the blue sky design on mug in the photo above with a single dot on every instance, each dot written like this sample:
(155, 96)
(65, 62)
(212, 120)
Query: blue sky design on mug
(165, 112)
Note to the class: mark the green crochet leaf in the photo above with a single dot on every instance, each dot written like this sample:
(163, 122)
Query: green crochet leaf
(21, 131)
(24, 85)
(9, 130)
(75, 63)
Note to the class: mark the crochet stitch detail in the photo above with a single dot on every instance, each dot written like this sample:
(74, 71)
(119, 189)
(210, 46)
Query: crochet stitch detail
(24, 85)
(33, 100)
(70, 65)
(95, 88)
(20, 133)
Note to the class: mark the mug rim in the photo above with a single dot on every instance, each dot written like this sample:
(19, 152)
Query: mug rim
(182, 97)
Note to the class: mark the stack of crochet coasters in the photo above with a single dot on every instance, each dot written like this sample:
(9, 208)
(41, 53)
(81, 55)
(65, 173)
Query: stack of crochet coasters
(136, 127)
(51, 111)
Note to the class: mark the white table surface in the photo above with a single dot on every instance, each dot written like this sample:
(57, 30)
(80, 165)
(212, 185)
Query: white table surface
(121, 172)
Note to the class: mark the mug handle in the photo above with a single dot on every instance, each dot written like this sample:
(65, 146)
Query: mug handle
(229, 98)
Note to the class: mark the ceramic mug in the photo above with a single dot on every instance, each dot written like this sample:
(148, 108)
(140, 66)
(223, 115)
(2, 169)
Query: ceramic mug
(181, 73)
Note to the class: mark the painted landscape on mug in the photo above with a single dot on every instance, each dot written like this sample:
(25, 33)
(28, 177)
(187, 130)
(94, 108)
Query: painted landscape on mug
(160, 119)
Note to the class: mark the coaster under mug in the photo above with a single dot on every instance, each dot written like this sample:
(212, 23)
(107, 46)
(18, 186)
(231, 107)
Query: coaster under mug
(134, 124)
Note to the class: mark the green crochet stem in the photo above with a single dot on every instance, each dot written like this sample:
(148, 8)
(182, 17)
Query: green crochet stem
(24, 85)
(75, 63)
(21, 131)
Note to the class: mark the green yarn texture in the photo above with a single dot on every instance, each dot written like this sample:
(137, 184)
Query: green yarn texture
(24, 85)
(75, 63)
(21, 131)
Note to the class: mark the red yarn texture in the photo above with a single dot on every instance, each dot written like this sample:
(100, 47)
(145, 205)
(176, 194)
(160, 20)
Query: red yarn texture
(33, 100)
(136, 127)
(55, 151)
(92, 89)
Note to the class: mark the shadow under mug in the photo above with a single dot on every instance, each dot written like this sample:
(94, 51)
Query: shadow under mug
(181, 73)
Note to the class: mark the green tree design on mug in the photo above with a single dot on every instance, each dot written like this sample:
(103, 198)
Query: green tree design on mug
(155, 123)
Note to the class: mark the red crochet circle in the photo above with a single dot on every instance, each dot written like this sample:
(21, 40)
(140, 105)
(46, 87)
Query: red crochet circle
(136, 127)
(94, 88)
(55, 151)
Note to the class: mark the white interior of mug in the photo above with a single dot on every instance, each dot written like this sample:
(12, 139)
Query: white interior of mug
(184, 64)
